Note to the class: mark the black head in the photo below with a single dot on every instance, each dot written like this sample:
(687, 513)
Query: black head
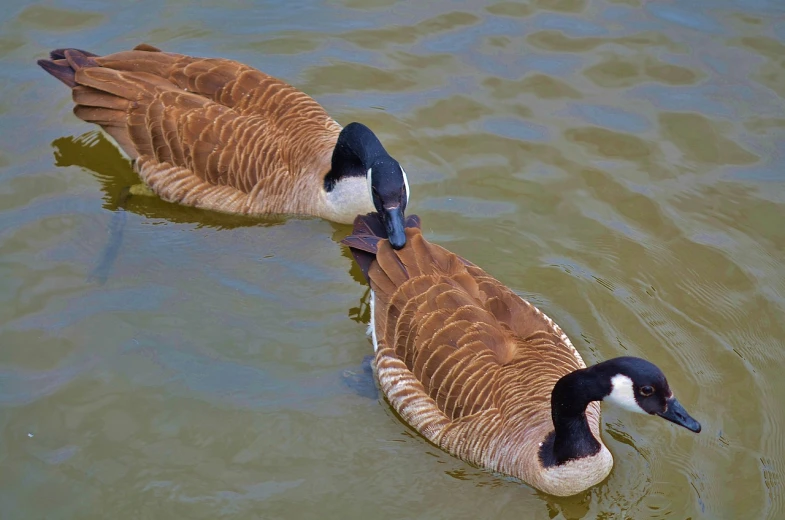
(640, 386)
(390, 193)
(359, 152)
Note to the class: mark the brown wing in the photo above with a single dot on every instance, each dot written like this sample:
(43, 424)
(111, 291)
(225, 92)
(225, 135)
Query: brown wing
(471, 349)
(258, 139)
(464, 360)
(230, 83)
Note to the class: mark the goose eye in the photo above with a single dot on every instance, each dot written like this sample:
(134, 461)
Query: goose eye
(646, 391)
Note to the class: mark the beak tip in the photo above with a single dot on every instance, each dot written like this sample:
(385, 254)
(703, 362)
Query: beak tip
(691, 425)
(676, 414)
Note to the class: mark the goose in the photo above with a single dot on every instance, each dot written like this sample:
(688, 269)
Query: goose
(485, 375)
(220, 135)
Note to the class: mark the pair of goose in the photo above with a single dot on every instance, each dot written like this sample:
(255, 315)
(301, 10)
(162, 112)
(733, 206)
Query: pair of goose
(473, 367)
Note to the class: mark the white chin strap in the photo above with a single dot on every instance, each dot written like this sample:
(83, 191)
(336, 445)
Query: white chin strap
(405, 183)
(368, 177)
(623, 395)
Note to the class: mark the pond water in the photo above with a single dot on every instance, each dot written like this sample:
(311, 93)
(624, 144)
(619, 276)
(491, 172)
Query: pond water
(619, 163)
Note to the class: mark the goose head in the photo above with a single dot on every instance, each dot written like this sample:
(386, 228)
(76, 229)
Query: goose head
(639, 386)
(631, 383)
(389, 190)
(359, 159)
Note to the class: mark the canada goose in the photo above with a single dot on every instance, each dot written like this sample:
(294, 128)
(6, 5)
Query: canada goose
(488, 377)
(216, 134)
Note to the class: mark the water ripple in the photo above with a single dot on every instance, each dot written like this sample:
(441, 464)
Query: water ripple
(616, 162)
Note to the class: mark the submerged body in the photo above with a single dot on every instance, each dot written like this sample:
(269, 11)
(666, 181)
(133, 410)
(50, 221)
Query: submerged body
(216, 134)
(487, 376)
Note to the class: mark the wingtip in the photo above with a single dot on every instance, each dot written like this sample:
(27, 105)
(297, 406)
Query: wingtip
(79, 59)
(63, 64)
(61, 71)
(59, 54)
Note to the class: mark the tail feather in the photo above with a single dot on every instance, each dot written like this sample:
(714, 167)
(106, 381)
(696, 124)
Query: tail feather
(364, 241)
(64, 63)
(370, 224)
(97, 99)
(60, 69)
(78, 60)
(59, 54)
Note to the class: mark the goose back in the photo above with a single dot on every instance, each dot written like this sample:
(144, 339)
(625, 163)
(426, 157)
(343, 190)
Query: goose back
(467, 362)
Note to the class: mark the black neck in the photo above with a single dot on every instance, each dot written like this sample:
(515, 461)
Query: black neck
(355, 151)
(572, 439)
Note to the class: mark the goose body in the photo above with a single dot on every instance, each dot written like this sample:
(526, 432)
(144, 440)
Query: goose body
(487, 376)
(216, 134)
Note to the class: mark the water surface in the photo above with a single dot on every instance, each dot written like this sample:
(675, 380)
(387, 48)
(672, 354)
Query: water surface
(619, 163)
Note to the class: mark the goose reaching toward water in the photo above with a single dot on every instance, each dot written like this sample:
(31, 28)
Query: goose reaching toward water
(216, 134)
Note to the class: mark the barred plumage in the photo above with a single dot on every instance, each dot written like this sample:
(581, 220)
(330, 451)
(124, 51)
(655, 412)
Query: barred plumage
(468, 363)
(210, 132)
(485, 375)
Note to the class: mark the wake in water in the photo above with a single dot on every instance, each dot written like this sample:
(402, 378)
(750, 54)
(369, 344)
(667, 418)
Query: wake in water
(103, 267)
(93, 152)
(124, 193)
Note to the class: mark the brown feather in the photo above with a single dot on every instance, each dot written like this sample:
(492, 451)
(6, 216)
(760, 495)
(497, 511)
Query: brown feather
(462, 358)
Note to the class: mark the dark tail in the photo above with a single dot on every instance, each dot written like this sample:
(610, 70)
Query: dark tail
(368, 231)
(64, 63)
(59, 54)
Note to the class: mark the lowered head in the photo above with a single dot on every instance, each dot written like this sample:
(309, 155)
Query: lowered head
(389, 190)
(357, 154)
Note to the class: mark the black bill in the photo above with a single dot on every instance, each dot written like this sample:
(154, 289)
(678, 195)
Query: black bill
(676, 414)
(393, 223)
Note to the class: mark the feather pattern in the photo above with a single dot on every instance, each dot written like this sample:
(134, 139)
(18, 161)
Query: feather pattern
(208, 132)
(467, 362)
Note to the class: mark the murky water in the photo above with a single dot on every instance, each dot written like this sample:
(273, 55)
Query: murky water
(620, 163)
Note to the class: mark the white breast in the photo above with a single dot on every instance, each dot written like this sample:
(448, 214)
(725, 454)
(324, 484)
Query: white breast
(348, 198)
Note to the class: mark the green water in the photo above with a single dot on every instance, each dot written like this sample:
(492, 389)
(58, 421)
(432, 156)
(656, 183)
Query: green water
(619, 163)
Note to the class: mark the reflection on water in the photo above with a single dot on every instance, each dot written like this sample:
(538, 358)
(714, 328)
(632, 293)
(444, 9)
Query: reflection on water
(618, 163)
(92, 151)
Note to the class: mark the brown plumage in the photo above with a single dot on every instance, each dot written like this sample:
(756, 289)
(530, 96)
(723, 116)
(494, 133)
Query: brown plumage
(216, 134)
(472, 366)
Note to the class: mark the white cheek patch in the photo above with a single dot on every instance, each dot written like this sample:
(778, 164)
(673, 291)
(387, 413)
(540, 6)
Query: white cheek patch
(623, 395)
(369, 177)
(405, 183)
